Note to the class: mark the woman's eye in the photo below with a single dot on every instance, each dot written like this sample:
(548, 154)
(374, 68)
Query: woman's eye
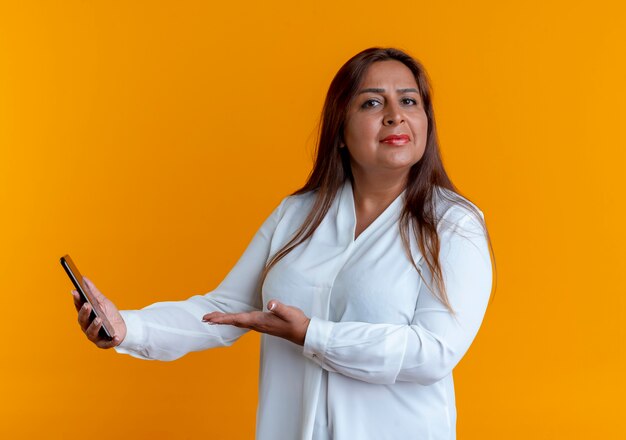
(370, 103)
(409, 101)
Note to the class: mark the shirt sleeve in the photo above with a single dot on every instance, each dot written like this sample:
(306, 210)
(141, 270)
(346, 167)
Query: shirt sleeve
(171, 329)
(426, 350)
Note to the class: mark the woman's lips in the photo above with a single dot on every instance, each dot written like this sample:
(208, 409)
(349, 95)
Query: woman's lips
(396, 139)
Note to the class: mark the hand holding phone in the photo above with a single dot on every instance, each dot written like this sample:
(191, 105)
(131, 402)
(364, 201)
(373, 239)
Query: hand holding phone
(98, 317)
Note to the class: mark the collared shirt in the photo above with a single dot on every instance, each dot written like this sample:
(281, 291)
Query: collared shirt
(380, 348)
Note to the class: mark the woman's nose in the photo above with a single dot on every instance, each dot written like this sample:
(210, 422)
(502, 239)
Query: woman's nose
(393, 115)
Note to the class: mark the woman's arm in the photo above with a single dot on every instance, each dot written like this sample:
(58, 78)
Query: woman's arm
(169, 330)
(430, 347)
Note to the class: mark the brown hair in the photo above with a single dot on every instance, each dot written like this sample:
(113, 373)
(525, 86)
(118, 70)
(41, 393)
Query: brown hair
(332, 168)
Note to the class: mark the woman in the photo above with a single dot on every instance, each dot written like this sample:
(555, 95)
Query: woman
(368, 284)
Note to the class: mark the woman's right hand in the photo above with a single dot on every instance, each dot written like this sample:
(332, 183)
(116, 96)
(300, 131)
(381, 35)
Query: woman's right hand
(92, 329)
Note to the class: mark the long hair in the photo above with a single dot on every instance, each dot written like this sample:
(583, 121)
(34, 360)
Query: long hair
(332, 168)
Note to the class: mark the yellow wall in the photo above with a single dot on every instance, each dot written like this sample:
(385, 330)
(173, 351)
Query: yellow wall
(150, 140)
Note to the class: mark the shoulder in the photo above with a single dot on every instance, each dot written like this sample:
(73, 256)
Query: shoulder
(297, 202)
(294, 208)
(453, 211)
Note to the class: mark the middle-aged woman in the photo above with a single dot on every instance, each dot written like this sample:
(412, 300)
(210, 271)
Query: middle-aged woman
(369, 284)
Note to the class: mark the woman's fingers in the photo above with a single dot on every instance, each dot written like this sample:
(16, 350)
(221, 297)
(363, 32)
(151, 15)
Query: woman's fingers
(83, 316)
(280, 310)
(210, 316)
(251, 320)
(263, 322)
(283, 321)
(285, 312)
(78, 303)
(277, 309)
(93, 329)
(103, 343)
(297, 322)
(109, 313)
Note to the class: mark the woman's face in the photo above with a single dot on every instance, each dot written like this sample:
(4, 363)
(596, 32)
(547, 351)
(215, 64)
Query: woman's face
(386, 124)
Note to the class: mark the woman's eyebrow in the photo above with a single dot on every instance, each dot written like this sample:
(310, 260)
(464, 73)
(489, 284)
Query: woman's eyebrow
(374, 90)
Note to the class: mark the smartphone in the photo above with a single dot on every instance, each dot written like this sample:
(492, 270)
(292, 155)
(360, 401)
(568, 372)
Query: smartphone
(86, 296)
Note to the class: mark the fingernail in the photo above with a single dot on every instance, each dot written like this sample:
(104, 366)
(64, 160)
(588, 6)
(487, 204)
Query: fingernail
(272, 306)
(96, 321)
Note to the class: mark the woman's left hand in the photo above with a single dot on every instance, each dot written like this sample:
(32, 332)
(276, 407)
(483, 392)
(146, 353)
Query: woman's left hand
(281, 320)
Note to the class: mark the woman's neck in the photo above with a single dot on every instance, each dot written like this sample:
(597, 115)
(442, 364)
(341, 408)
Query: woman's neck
(375, 192)
(372, 196)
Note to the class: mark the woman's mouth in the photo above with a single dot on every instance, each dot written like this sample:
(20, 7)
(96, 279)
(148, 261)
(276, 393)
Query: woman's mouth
(396, 139)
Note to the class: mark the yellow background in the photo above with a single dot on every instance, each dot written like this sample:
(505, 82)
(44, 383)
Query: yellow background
(150, 139)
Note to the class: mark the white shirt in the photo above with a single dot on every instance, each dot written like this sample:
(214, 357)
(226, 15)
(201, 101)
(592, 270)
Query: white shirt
(380, 348)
